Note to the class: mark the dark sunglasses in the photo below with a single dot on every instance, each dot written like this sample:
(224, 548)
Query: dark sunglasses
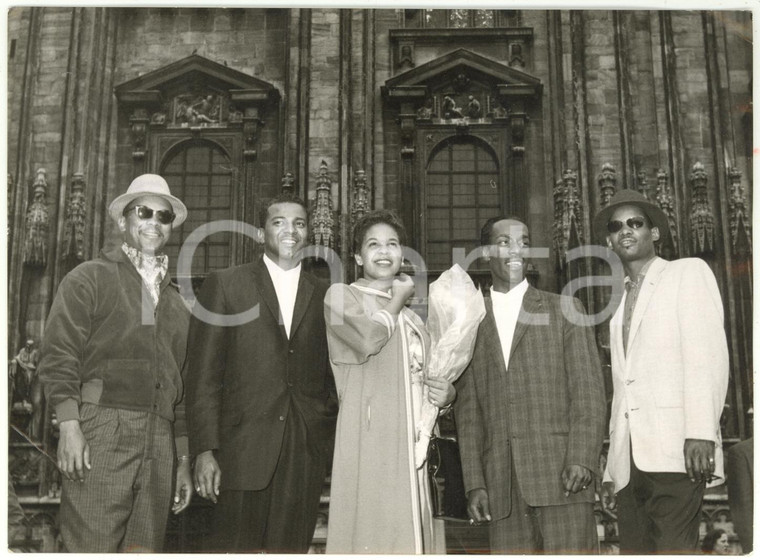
(615, 226)
(164, 217)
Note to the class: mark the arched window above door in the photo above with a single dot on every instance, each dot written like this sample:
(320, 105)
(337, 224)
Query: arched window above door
(199, 123)
(462, 190)
(200, 174)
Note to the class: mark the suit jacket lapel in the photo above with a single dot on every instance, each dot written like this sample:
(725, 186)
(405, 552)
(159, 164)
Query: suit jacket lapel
(491, 339)
(531, 305)
(303, 297)
(645, 294)
(268, 294)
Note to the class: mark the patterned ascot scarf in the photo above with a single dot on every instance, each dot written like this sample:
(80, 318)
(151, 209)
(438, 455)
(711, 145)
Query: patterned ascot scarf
(151, 269)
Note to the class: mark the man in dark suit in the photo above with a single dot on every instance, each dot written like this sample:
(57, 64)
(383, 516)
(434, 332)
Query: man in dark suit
(530, 410)
(261, 401)
(741, 490)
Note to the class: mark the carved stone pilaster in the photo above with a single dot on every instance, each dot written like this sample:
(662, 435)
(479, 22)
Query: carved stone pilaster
(702, 220)
(517, 122)
(607, 182)
(407, 128)
(740, 218)
(664, 198)
(288, 184)
(567, 214)
(573, 209)
(323, 217)
(76, 217)
(559, 210)
(37, 219)
(251, 127)
(139, 127)
(360, 200)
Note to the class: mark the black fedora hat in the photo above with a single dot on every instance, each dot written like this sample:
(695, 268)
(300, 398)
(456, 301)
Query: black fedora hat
(628, 197)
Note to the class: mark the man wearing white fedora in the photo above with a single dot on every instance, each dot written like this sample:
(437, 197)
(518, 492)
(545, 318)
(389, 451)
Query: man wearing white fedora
(670, 376)
(112, 353)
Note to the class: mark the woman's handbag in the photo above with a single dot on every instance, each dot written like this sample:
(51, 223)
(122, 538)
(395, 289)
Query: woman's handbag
(444, 467)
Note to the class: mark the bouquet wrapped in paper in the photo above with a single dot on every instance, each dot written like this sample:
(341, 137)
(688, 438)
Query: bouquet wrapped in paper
(455, 309)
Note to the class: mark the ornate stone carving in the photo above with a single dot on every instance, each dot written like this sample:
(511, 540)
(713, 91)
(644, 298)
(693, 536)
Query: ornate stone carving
(450, 109)
(516, 55)
(473, 108)
(460, 82)
(251, 126)
(406, 56)
(35, 244)
(288, 184)
(139, 126)
(76, 216)
(567, 214)
(192, 109)
(642, 184)
(360, 201)
(559, 210)
(323, 217)
(517, 121)
(702, 228)
(663, 196)
(740, 218)
(426, 112)
(407, 129)
(158, 118)
(607, 184)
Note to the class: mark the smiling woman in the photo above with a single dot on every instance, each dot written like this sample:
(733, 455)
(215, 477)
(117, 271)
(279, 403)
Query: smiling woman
(379, 501)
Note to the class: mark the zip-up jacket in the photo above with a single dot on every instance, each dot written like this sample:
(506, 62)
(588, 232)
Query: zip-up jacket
(105, 344)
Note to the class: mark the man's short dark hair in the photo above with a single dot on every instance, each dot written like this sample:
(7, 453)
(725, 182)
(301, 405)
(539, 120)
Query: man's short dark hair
(485, 231)
(279, 199)
(388, 217)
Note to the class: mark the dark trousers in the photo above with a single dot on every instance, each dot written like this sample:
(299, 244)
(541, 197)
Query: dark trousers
(123, 503)
(281, 517)
(659, 513)
(560, 529)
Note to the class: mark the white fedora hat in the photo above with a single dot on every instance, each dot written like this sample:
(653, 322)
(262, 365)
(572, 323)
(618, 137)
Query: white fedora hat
(145, 185)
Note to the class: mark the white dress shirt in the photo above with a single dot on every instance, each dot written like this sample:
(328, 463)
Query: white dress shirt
(286, 286)
(506, 308)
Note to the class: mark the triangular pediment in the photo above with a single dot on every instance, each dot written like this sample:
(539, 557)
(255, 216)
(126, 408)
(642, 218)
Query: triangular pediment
(194, 69)
(464, 62)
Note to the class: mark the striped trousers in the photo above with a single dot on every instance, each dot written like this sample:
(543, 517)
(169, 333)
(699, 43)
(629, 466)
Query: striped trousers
(123, 503)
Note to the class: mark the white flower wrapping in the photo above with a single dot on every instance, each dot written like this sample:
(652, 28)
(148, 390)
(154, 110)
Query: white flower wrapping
(455, 309)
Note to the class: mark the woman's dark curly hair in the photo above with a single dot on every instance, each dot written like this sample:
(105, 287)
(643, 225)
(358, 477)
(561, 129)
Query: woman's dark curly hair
(712, 537)
(373, 218)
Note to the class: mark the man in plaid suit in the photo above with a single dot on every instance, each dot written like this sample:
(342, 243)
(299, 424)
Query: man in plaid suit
(530, 411)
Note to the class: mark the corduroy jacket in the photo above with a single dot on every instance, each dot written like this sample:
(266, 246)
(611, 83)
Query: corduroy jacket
(105, 344)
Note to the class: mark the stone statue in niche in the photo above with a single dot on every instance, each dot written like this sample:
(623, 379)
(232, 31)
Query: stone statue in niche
(25, 389)
(473, 108)
(35, 244)
(450, 109)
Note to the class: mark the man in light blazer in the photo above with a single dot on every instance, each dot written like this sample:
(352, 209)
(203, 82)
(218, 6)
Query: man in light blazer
(530, 411)
(261, 403)
(670, 376)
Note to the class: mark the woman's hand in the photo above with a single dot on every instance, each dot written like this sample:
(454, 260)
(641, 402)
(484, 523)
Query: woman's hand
(440, 392)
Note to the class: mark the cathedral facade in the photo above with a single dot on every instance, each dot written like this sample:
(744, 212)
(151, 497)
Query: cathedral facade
(449, 116)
